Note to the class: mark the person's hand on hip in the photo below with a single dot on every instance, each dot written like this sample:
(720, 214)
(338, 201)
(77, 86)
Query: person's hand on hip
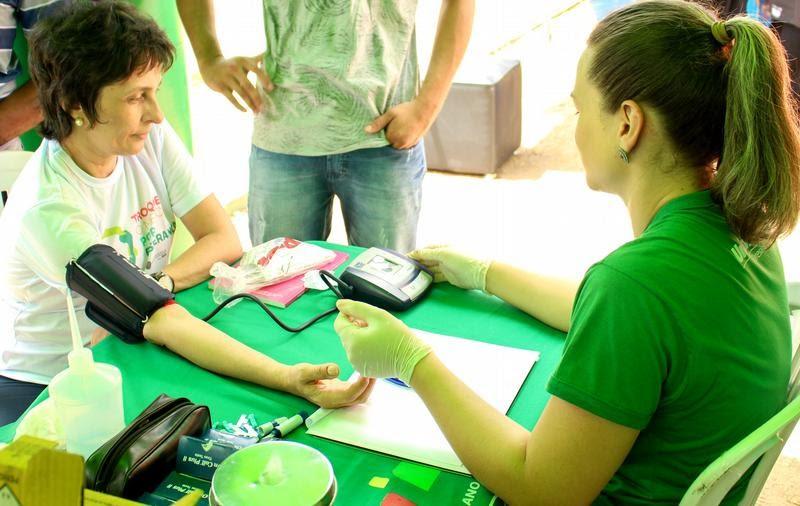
(229, 75)
(456, 268)
(378, 344)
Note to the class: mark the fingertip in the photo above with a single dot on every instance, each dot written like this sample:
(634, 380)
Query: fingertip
(332, 370)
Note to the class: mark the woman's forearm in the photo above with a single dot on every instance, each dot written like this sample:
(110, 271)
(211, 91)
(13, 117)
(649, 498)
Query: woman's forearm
(215, 238)
(193, 265)
(490, 445)
(197, 341)
(545, 298)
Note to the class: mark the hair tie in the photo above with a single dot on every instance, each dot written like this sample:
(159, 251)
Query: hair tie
(720, 33)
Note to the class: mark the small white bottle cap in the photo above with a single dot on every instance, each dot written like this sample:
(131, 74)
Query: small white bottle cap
(81, 360)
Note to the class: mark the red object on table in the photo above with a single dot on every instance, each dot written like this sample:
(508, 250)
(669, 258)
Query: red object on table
(394, 499)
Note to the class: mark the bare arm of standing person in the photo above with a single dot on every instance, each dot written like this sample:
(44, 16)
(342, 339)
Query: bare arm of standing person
(223, 75)
(406, 123)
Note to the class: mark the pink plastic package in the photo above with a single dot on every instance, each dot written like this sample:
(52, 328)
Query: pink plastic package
(266, 264)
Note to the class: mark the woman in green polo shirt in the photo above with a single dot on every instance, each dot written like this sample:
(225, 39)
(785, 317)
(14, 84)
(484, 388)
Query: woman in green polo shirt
(678, 342)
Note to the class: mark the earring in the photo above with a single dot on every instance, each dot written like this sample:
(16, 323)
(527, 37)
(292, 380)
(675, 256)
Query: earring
(79, 121)
(623, 155)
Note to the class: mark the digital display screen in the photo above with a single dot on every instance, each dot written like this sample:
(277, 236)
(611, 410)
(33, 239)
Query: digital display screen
(384, 265)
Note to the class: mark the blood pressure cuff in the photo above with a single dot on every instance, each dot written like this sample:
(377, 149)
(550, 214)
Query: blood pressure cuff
(120, 297)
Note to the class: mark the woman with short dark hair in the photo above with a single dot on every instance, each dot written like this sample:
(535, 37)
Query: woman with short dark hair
(678, 343)
(111, 171)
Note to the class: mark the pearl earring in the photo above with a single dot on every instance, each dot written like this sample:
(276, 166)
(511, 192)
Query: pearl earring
(623, 155)
(79, 121)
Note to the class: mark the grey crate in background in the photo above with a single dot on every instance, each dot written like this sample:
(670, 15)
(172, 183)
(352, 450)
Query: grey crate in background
(480, 124)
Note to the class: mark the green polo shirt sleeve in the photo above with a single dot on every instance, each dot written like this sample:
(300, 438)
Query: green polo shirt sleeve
(614, 362)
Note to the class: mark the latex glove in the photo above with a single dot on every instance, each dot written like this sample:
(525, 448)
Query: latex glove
(456, 268)
(320, 385)
(378, 344)
(230, 75)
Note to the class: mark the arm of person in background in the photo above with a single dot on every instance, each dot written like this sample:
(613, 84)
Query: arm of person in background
(568, 457)
(547, 299)
(19, 112)
(197, 341)
(406, 123)
(223, 75)
(215, 241)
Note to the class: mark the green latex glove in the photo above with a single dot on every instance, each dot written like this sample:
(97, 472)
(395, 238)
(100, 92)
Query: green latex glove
(378, 344)
(456, 268)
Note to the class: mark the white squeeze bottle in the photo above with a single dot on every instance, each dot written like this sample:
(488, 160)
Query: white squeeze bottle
(87, 396)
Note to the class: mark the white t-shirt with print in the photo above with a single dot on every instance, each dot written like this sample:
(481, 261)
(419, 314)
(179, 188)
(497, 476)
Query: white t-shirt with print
(54, 212)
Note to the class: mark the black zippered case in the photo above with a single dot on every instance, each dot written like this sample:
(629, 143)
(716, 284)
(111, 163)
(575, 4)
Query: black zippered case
(138, 458)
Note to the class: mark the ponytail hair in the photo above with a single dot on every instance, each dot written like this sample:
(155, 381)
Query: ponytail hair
(757, 174)
(723, 93)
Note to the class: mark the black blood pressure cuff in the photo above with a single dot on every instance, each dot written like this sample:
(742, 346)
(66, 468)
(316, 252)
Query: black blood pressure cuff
(120, 297)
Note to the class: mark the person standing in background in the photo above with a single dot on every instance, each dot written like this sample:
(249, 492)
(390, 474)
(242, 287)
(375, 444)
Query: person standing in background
(339, 111)
(19, 106)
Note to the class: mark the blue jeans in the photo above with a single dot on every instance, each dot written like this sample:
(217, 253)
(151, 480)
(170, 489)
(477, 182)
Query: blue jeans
(380, 190)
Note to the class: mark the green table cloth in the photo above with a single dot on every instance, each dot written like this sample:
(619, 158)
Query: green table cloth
(149, 370)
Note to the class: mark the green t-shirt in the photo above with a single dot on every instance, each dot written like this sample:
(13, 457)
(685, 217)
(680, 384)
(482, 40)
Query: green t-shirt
(683, 334)
(336, 65)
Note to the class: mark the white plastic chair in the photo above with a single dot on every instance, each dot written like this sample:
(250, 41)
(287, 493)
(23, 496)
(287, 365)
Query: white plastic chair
(766, 443)
(11, 164)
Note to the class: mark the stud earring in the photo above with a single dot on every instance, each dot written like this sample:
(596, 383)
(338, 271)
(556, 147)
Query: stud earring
(79, 121)
(623, 155)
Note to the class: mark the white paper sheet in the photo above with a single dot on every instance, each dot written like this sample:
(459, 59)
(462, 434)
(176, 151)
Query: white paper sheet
(395, 420)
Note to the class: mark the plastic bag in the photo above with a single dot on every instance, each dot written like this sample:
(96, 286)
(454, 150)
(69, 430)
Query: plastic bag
(267, 264)
(41, 421)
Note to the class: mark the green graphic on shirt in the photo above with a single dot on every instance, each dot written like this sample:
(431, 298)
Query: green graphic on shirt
(744, 252)
(126, 238)
(152, 237)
